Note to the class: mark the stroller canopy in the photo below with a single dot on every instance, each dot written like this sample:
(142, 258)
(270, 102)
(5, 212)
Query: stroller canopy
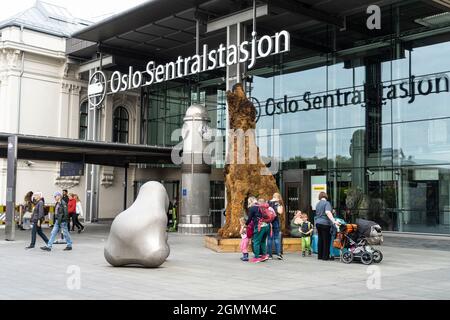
(366, 228)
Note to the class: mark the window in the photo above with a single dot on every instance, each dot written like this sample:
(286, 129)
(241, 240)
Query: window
(120, 126)
(83, 120)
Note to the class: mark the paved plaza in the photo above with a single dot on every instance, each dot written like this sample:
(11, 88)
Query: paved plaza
(411, 270)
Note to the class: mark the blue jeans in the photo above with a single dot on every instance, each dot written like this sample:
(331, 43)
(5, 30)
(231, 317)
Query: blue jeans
(55, 232)
(275, 238)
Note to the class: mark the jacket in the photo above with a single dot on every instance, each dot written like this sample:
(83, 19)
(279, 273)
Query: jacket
(253, 215)
(62, 214)
(79, 209)
(72, 206)
(38, 212)
(276, 223)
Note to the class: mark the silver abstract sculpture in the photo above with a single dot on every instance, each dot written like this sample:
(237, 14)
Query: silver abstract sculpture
(138, 235)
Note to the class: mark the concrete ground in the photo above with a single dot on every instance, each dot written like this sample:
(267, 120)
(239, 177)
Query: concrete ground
(193, 272)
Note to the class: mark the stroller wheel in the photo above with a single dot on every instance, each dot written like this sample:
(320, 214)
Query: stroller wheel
(377, 256)
(367, 258)
(347, 257)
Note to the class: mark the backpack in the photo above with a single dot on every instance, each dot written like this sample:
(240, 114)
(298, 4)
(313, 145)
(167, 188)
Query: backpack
(268, 214)
(306, 226)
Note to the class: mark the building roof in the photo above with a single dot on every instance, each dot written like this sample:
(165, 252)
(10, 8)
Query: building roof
(47, 18)
(72, 150)
(163, 30)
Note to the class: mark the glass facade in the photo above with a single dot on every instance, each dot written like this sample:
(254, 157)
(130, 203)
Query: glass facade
(379, 132)
(374, 125)
(165, 105)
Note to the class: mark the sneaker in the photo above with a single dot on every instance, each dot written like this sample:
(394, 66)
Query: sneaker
(303, 254)
(82, 230)
(280, 257)
(310, 253)
(244, 258)
(29, 248)
(265, 258)
(270, 257)
(46, 249)
(68, 249)
(255, 260)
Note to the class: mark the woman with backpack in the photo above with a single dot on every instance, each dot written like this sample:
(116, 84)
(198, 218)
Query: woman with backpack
(275, 236)
(261, 231)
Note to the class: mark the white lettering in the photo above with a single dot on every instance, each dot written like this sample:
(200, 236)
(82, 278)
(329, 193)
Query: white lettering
(179, 67)
(244, 52)
(137, 79)
(221, 50)
(186, 65)
(159, 74)
(124, 83)
(212, 57)
(205, 57)
(115, 82)
(170, 71)
(232, 57)
(149, 70)
(261, 43)
(195, 67)
(253, 52)
(287, 42)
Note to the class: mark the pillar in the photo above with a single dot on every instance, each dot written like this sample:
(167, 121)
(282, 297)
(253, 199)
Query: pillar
(11, 189)
(195, 194)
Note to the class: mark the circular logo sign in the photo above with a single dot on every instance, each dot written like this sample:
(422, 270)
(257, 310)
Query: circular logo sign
(97, 89)
(257, 107)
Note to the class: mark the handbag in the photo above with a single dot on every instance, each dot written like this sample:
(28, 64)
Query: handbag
(251, 230)
(27, 215)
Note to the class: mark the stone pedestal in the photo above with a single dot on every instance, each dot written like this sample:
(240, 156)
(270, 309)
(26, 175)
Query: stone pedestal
(220, 245)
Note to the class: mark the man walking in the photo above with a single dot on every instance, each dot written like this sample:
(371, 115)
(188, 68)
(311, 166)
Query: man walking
(36, 219)
(66, 199)
(62, 218)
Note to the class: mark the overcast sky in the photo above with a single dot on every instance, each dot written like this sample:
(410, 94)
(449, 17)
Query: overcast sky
(86, 9)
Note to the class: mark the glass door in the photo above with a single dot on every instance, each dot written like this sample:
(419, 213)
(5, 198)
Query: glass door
(292, 197)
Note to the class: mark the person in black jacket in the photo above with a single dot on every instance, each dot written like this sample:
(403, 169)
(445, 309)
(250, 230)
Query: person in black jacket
(37, 219)
(62, 219)
(66, 199)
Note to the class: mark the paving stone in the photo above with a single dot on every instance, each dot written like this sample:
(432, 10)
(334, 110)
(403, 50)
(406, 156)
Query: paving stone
(194, 272)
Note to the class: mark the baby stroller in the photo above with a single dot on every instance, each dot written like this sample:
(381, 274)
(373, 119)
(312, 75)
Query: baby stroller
(356, 240)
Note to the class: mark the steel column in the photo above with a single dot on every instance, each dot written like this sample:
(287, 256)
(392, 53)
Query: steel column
(11, 189)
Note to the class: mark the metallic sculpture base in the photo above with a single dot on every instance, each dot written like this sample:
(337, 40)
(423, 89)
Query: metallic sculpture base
(138, 235)
(195, 224)
(195, 229)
